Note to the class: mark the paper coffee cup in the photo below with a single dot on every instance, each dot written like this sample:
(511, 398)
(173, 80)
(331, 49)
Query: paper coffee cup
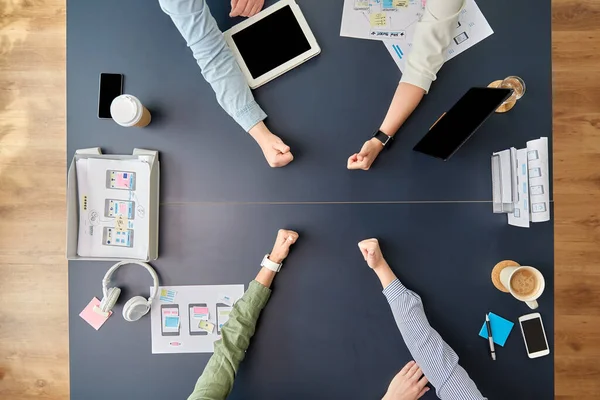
(128, 110)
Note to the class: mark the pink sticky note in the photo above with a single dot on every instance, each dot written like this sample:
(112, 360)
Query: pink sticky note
(200, 310)
(91, 317)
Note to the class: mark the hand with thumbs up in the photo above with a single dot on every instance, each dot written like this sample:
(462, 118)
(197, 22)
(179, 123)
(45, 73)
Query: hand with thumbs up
(372, 253)
(366, 156)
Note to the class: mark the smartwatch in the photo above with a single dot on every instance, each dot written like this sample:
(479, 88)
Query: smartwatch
(383, 138)
(268, 264)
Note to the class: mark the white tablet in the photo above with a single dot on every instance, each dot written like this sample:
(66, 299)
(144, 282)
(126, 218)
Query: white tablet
(272, 42)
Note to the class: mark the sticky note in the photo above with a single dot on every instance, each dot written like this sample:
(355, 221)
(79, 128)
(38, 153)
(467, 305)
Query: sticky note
(400, 3)
(121, 223)
(93, 318)
(200, 313)
(361, 4)
(206, 326)
(171, 322)
(167, 295)
(378, 19)
(500, 329)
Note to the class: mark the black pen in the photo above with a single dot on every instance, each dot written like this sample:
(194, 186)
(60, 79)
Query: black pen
(490, 338)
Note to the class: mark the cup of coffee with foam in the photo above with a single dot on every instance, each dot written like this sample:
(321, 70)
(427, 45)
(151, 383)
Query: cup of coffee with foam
(524, 283)
(128, 111)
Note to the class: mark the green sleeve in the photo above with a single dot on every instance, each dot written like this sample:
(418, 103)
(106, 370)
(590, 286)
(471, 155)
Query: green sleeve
(216, 381)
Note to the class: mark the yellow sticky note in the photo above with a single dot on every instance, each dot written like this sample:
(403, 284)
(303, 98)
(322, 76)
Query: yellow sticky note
(400, 3)
(378, 19)
(121, 223)
(206, 326)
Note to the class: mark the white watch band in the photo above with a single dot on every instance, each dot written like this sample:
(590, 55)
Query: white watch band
(268, 264)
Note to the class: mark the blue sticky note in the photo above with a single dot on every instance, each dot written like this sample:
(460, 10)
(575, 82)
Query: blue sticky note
(171, 322)
(500, 329)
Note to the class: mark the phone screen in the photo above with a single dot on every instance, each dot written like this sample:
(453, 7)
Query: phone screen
(111, 86)
(463, 119)
(223, 311)
(170, 322)
(534, 335)
(194, 329)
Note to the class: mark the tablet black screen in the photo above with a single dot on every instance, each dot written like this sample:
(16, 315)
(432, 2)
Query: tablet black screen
(463, 119)
(270, 42)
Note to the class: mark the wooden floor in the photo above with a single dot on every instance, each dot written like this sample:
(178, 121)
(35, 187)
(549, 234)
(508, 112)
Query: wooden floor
(33, 271)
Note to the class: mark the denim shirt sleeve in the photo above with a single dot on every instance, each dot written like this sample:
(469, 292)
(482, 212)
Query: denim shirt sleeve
(216, 61)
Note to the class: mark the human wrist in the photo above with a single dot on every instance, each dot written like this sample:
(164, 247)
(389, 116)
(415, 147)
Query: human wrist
(276, 258)
(260, 132)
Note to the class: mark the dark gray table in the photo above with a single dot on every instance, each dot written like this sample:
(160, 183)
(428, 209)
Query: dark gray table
(327, 332)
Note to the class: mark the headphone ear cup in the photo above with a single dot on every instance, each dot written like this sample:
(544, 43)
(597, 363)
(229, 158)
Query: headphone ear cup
(108, 302)
(135, 308)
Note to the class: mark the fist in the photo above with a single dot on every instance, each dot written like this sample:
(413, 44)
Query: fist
(245, 8)
(367, 155)
(276, 152)
(372, 253)
(281, 248)
(408, 384)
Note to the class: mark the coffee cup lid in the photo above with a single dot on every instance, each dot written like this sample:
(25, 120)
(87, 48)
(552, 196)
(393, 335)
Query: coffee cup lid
(126, 110)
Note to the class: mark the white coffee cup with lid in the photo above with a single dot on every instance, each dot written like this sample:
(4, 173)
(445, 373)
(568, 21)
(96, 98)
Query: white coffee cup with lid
(127, 110)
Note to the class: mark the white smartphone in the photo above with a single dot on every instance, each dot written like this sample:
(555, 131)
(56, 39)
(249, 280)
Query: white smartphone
(534, 335)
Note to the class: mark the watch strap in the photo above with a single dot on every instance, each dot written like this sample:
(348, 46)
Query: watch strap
(268, 264)
(383, 138)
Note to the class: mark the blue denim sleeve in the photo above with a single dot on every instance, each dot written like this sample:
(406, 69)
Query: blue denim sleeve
(216, 61)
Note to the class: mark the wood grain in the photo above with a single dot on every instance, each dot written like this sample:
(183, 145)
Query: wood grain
(33, 273)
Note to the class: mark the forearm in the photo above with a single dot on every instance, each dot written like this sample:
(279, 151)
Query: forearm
(216, 61)
(216, 381)
(435, 357)
(433, 35)
(406, 99)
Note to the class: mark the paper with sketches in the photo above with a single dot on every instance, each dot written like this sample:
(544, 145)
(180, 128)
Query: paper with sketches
(539, 179)
(401, 18)
(103, 229)
(520, 215)
(195, 310)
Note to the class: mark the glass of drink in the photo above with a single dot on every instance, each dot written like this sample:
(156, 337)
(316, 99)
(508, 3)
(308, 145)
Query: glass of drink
(517, 85)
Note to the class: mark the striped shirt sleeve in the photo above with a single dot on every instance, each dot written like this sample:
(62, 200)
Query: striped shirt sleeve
(437, 360)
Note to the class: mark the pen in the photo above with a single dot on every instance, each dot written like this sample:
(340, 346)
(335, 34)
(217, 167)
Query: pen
(490, 338)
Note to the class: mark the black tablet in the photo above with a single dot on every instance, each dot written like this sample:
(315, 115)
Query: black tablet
(456, 126)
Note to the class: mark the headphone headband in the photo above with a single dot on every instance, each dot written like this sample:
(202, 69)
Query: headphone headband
(112, 269)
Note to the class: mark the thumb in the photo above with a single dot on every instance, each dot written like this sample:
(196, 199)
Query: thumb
(281, 147)
(370, 254)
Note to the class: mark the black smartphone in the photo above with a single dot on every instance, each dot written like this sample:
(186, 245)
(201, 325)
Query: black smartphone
(456, 126)
(111, 86)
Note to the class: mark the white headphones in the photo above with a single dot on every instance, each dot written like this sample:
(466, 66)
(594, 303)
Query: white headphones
(137, 306)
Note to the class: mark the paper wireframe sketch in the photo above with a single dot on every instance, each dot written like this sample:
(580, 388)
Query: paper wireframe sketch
(520, 215)
(504, 180)
(539, 179)
(128, 232)
(366, 22)
(197, 309)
